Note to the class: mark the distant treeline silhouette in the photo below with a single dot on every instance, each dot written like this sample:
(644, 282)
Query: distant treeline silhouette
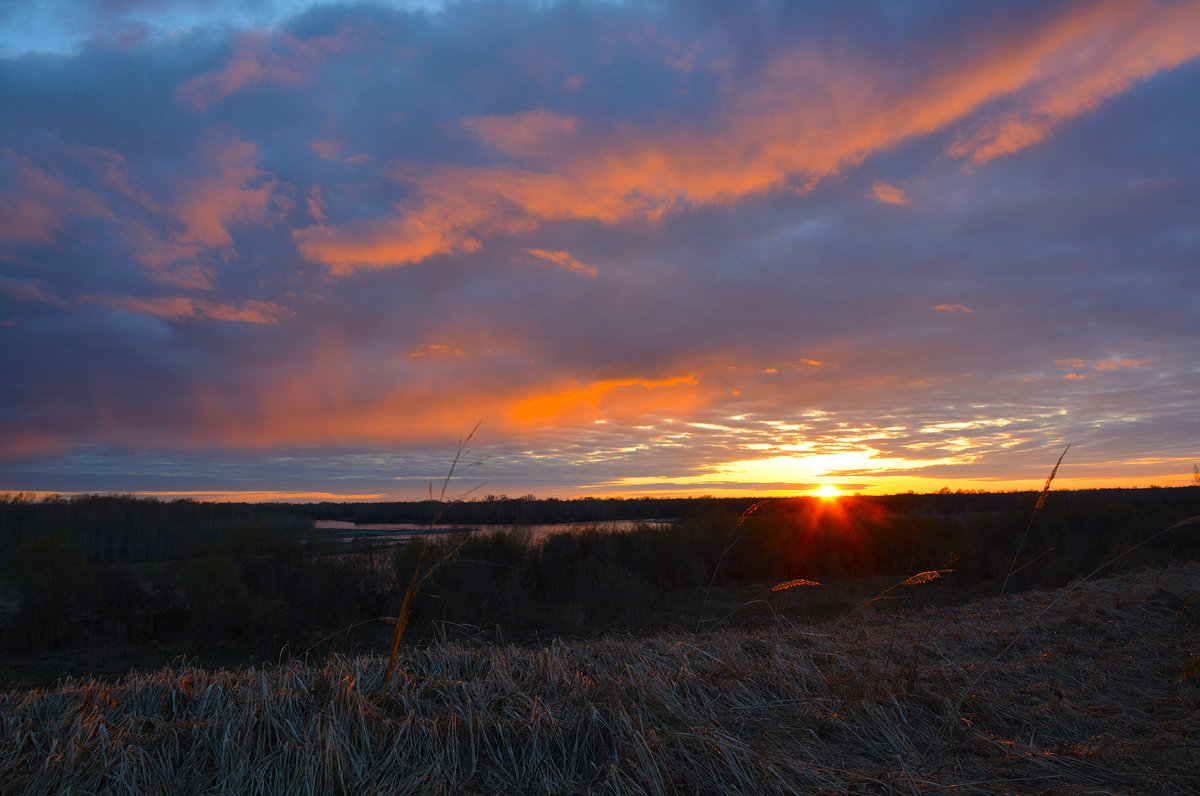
(123, 529)
(126, 570)
(527, 509)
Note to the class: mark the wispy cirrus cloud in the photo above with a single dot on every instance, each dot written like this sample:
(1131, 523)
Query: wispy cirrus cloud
(1103, 364)
(1076, 63)
(29, 290)
(795, 126)
(563, 260)
(182, 308)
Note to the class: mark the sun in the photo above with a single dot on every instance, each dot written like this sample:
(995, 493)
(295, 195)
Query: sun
(827, 491)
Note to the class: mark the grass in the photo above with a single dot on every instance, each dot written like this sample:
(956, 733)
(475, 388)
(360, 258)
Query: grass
(418, 578)
(1041, 501)
(1087, 690)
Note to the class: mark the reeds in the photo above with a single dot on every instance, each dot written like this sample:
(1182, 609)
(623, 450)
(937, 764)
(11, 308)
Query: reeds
(1041, 501)
(1092, 697)
(418, 578)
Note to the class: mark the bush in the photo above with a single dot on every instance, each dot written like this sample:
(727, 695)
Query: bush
(216, 596)
(56, 589)
(123, 605)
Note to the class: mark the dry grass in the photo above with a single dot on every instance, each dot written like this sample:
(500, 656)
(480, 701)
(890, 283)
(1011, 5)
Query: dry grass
(1091, 698)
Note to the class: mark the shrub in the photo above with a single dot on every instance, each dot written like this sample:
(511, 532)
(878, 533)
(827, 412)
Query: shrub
(56, 588)
(216, 596)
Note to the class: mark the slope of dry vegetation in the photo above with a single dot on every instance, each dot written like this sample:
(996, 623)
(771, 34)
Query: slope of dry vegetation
(1089, 689)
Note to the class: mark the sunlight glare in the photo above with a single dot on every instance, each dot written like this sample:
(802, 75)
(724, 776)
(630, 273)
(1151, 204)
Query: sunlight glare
(827, 491)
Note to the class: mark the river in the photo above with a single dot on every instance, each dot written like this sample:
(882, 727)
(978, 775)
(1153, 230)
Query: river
(372, 533)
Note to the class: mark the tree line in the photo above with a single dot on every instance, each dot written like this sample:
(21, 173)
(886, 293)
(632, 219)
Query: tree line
(127, 570)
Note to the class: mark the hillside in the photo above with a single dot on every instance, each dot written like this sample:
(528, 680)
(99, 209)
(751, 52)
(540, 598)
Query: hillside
(1090, 687)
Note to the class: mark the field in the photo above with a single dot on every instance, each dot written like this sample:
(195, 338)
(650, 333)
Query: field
(1087, 689)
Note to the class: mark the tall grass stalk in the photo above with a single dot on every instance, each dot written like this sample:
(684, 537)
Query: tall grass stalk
(1041, 501)
(717, 567)
(418, 577)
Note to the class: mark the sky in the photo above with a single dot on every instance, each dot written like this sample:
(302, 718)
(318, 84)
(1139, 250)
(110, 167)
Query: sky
(312, 251)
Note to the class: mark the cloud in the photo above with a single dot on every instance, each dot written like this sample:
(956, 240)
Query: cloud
(35, 204)
(435, 350)
(1103, 364)
(180, 308)
(601, 398)
(810, 118)
(234, 191)
(705, 168)
(533, 134)
(332, 150)
(888, 194)
(1080, 60)
(1113, 364)
(260, 57)
(224, 191)
(29, 290)
(564, 260)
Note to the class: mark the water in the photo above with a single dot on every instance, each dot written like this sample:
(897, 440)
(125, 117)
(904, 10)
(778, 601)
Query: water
(400, 532)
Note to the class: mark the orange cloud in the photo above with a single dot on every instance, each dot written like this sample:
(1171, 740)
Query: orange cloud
(316, 204)
(1114, 364)
(811, 118)
(236, 191)
(435, 350)
(599, 399)
(34, 210)
(803, 363)
(1103, 364)
(259, 57)
(112, 169)
(179, 308)
(889, 194)
(231, 191)
(525, 135)
(1080, 61)
(332, 398)
(952, 308)
(564, 260)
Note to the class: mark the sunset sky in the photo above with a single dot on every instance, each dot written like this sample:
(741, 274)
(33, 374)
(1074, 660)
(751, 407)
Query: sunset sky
(296, 250)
